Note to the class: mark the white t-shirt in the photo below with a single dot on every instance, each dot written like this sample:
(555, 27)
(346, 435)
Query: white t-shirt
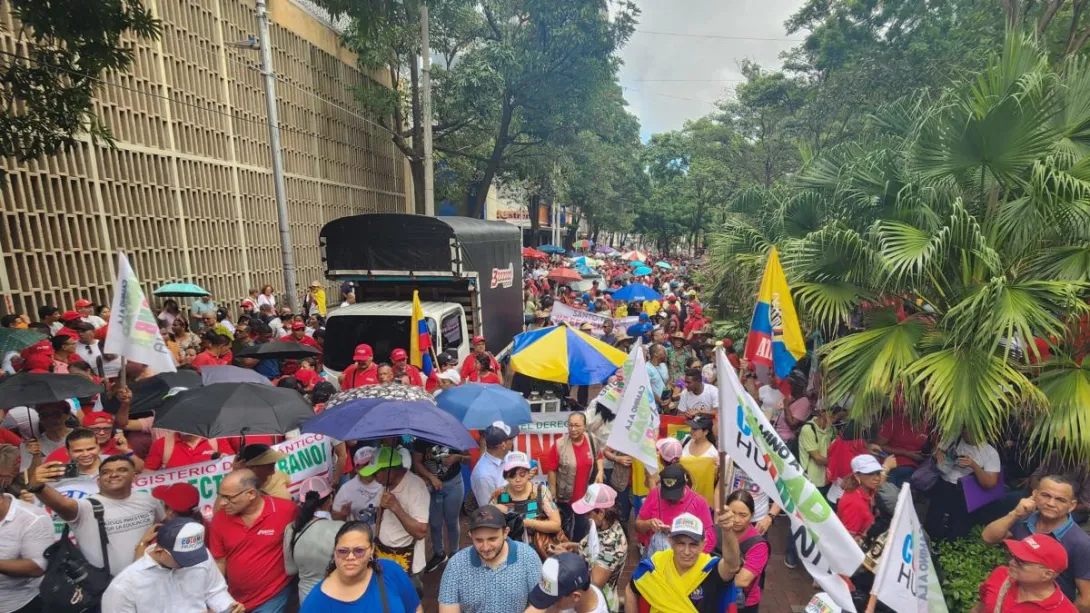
(602, 606)
(95, 321)
(48, 446)
(262, 300)
(126, 523)
(984, 455)
(414, 498)
(364, 498)
(706, 402)
(771, 400)
(710, 452)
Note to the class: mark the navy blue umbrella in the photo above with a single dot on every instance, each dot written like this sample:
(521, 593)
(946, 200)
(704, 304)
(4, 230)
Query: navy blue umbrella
(373, 418)
(479, 405)
(636, 292)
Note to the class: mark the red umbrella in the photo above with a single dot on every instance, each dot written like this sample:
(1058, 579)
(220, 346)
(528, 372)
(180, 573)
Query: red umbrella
(564, 275)
(529, 253)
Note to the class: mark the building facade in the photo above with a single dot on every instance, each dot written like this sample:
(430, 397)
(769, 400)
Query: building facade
(187, 190)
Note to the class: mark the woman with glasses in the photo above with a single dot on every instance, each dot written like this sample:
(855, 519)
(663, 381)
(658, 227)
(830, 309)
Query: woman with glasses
(357, 581)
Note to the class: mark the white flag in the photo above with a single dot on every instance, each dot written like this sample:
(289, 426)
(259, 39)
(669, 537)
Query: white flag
(637, 425)
(826, 548)
(133, 332)
(905, 580)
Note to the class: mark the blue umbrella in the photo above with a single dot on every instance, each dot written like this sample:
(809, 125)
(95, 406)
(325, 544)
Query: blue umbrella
(550, 249)
(636, 292)
(479, 405)
(641, 271)
(638, 329)
(182, 290)
(373, 418)
(584, 270)
(663, 265)
(636, 264)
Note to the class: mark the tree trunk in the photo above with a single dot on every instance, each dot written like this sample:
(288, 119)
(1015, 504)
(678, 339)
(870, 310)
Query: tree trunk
(476, 205)
(534, 208)
(418, 140)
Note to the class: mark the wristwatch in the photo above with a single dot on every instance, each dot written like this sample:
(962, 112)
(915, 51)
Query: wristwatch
(36, 489)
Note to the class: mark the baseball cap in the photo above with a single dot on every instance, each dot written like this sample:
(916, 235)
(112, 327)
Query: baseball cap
(398, 354)
(688, 525)
(477, 339)
(560, 576)
(385, 457)
(70, 316)
(450, 375)
(38, 362)
(183, 539)
(182, 497)
(515, 459)
(669, 449)
(865, 464)
(598, 496)
(1039, 549)
(445, 359)
(672, 482)
(487, 516)
(260, 454)
(83, 303)
(499, 432)
(317, 484)
(363, 352)
(298, 325)
(97, 418)
(702, 422)
(363, 456)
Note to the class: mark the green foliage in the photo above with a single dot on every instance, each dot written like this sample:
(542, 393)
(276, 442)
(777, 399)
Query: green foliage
(965, 564)
(47, 96)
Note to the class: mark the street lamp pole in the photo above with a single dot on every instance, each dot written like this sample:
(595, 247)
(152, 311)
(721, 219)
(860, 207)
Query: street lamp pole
(425, 98)
(277, 157)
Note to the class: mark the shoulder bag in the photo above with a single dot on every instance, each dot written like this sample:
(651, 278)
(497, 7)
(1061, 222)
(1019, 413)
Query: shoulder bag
(71, 584)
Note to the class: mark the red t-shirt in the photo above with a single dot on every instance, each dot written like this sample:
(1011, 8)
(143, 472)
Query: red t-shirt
(469, 365)
(205, 358)
(856, 511)
(308, 341)
(255, 554)
(415, 377)
(488, 377)
(354, 377)
(583, 464)
(901, 433)
(183, 454)
(989, 592)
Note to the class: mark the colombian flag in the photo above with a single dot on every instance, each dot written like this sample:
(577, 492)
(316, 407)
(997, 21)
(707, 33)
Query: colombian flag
(775, 338)
(419, 338)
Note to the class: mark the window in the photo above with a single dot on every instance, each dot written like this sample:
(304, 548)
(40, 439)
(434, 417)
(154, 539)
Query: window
(452, 332)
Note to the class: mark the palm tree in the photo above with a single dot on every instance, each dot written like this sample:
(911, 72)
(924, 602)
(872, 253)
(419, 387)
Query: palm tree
(960, 224)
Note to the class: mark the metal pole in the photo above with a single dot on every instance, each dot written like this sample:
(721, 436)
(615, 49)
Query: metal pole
(425, 99)
(277, 156)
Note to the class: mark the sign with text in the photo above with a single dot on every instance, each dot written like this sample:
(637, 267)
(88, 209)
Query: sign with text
(563, 313)
(905, 579)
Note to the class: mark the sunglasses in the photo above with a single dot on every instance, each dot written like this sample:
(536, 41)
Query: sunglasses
(357, 552)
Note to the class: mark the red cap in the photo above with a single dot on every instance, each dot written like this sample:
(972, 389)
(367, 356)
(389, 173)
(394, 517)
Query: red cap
(97, 418)
(298, 325)
(248, 301)
(290, 367)
(182, 497)
(363, 352)
(38, 362)
(70, 315)
(1039, 549)
(728, 342)
(42, 347)
(398, 354)
(83, 303)
(477, 339)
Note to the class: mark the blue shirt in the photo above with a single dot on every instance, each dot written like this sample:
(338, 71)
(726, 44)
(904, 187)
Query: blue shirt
(479, 589)
(400, 594)
(658, 376)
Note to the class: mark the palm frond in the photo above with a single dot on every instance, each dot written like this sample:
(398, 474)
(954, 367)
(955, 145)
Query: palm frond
(1064, 263)
(826, 305)
(1066, 427)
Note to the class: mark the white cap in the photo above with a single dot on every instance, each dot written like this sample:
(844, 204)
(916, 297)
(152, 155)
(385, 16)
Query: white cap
(865, 464)
(515, 459)
(364, 456)
(450, 375)
(688, 525)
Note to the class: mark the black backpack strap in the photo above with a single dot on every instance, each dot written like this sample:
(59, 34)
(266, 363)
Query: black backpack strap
(100, 519)
(295, 537)
(744, 547)
(377, 576)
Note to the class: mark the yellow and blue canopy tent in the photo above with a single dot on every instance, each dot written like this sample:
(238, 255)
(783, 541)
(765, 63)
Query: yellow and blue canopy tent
(564, 355)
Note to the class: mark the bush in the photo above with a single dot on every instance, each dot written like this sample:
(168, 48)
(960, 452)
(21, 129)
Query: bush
(963, 565)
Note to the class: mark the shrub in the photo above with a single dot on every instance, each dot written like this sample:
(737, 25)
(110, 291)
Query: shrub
(963, 565)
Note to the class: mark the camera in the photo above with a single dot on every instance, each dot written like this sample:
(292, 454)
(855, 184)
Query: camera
(71, 470)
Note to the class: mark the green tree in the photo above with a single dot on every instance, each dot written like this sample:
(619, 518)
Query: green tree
(47, 96)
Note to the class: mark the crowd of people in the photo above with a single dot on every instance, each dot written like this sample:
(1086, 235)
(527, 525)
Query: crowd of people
(550, 532)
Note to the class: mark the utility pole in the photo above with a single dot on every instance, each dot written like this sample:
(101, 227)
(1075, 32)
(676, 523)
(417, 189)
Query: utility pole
(425, 99)
(265, 41)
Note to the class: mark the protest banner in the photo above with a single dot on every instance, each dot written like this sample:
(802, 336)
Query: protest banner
(536, 437)
(562, 313)
(133, 332)
(826, 548)
(307, 456)
(904, 579)
(636, 427)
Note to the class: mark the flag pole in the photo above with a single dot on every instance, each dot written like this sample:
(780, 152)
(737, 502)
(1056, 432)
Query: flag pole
(871, 603)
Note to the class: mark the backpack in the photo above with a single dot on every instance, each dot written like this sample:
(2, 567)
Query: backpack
(71, 584)
(740, 594)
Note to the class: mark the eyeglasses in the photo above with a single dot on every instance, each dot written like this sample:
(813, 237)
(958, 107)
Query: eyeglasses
(357, 552)
(231, 497)
(1015, 562)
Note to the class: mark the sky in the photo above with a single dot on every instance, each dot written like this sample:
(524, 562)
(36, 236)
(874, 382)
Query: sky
(670, 79)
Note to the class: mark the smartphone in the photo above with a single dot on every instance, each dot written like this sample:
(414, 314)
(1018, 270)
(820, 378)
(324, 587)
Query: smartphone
(71, 470)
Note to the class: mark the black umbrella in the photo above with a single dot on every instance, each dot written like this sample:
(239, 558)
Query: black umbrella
(234, 409)
(38, 388)
(150, 394)
(211, 375)
(278, 350)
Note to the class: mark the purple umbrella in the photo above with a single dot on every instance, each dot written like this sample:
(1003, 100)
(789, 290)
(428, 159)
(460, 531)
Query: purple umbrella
(374, 418)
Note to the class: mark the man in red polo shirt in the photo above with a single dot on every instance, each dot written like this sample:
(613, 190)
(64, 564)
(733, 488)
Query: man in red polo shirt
(219, 348)
(469, 365)
(1028, 584)
(402, 367)
(363, 372)
(246, 537)
(179, 449)
(299, 335)
(73, 323)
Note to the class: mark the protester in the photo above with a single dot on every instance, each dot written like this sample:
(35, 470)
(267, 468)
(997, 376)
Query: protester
(658, 376)
(82, 449)
(246, 537)
(685, 572)
(1028, 583)
(25, 533)
(672, 498)
(266, 297)
(487, 475)
(86, 309)
(362, 371)
(796, 414)
(46, 427)
(856, 508)
(308, 541)
(401, 366)
(470, 364)
(947, 516)
(359, 581)
(314, 301)
(701, 440)
(532, 503)
(906, 439)
(174, 575)
(217, 352)
(573, 463)
(441, 469)
(299, 336)
(405, 507)
(606, 565)
(261, 459)
(754, 549)
(126, 514)
(485, 372)
(566, 587)
(815, 437)
(1048, 511)
(698, 398)
(176, 450)
(179, 500)
(608, 337)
